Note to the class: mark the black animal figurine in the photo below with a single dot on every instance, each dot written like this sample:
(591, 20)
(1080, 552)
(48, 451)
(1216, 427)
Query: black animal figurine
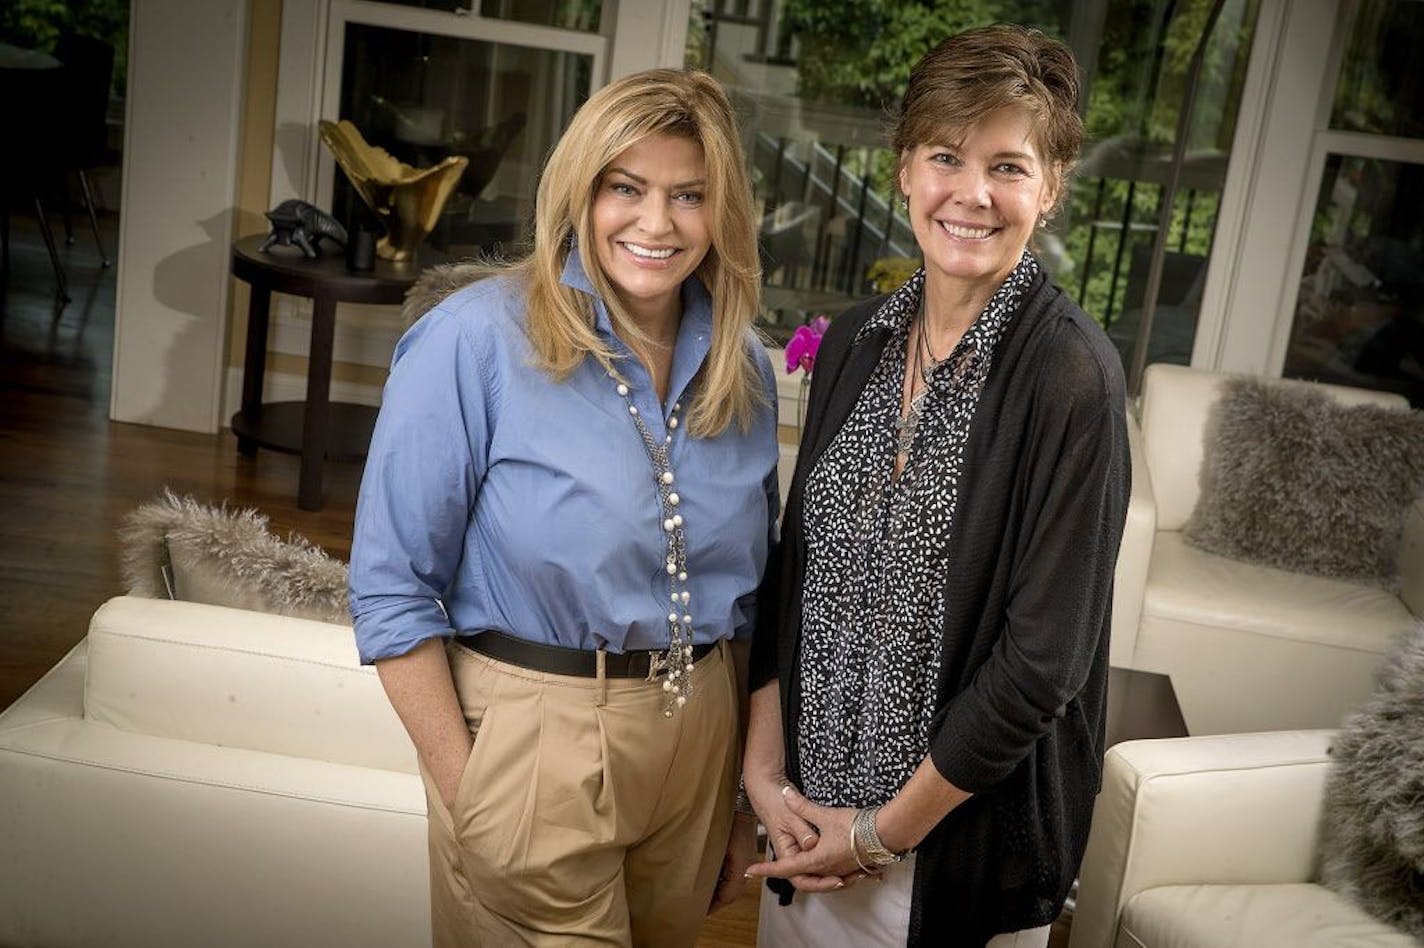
(300, 223)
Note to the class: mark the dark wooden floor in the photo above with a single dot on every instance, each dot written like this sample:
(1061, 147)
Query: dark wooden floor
(68, 475)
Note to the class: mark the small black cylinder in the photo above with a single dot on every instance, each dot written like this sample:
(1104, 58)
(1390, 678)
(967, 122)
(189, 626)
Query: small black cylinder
(361, 250)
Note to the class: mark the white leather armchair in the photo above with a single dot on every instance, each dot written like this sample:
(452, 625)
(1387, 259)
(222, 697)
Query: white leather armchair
(1248, 648)
(1210, 842)
(195, 775)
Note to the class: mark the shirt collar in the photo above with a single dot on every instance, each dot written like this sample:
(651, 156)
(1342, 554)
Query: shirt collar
(897, 311)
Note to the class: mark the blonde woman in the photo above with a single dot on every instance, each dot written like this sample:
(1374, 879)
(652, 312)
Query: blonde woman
(564, 519)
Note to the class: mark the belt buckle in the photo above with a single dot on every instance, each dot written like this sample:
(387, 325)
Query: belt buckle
(657, 664)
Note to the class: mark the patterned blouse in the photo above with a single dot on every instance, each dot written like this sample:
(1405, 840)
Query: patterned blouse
(873, 606)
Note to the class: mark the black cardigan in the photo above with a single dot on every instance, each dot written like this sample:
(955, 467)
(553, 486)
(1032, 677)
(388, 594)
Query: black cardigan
(1028, 591)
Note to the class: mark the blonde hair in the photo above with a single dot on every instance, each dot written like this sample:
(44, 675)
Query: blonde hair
(559, 319)
(978, 72)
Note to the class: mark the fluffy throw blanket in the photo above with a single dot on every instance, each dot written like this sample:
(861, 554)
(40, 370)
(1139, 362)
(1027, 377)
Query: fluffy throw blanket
(1373, 841)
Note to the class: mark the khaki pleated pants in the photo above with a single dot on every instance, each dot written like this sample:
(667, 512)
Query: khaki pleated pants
(584, 816)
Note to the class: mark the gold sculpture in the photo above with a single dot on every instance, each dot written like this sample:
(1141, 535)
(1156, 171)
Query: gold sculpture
(406, 200)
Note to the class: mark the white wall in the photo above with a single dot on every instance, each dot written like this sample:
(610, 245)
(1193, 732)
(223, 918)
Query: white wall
(179, 184)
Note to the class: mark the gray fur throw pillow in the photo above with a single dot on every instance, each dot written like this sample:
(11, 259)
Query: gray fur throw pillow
(1293, 479)
(1372, 840)
(179, 548)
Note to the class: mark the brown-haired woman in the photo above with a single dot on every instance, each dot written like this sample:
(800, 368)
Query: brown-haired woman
(930, 686)
(562, 526)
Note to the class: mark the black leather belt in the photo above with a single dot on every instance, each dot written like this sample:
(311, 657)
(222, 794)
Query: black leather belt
(577, 662)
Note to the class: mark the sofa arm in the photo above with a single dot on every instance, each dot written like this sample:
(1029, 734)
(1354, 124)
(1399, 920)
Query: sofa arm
(1411, 560)
(1130, 577)
(1229, 808)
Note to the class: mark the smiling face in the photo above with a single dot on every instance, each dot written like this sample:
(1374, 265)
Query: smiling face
(974, 203)
(650, 223)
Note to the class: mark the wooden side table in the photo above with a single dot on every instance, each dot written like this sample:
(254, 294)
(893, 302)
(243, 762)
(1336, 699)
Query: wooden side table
(317, 428)
(1142, 705)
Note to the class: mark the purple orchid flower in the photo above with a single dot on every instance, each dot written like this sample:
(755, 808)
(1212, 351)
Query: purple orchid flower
(801, 350)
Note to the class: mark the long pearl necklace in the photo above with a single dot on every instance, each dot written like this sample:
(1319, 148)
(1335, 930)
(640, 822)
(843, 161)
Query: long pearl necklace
(675, 665)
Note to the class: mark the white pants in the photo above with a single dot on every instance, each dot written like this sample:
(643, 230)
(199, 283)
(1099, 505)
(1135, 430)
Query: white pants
(874, 914)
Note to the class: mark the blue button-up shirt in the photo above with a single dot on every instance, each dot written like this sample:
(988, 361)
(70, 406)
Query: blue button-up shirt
(497, 498)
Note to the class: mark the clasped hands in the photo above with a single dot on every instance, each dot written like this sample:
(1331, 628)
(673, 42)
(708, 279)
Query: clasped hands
(811, 842)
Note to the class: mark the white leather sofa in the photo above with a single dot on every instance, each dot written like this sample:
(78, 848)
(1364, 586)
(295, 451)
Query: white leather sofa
(1248, 648)
(195, 775)
(1210, 842)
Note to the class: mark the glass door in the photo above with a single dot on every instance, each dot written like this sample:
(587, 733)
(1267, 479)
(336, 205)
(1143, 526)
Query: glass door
(815, 81)
(496, 84)
(1359, 300)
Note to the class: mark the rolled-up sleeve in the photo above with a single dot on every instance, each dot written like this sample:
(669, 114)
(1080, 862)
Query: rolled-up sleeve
(423, 472)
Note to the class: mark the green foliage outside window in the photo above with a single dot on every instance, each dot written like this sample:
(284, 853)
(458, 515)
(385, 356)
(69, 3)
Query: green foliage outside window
(36, 24)
(860, 53)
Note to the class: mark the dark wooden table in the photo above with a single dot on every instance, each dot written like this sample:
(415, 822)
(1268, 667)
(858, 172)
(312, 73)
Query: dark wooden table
(1142, 705)
(317, 428)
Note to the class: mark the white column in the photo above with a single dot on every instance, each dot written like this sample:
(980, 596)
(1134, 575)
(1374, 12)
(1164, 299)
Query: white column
(646, 34)
(179, 184)
(1267, 195)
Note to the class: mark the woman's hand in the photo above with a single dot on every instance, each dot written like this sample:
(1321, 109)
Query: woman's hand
(820, 859)
(786, 832)
(741, 850)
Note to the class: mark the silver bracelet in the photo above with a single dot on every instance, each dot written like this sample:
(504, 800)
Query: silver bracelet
(743, 804)
(855, 843)
(866, 839)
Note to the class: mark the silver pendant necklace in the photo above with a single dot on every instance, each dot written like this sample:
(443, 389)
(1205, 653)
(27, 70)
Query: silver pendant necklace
(925, 365)
(674, 665)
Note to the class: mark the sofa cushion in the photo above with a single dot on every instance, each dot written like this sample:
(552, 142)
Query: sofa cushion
(179, 548)
(240, 679)
(1187, 584)
(1296, 915)
(1292, 479)
(1372, 844)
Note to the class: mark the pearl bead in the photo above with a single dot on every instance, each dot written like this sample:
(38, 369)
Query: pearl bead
(682, 577)
(677, 520)
(689, 666)
(667, 714)
(667, 439)
(672, 422)
(674, 499)
(667, 477)
(671, 568)
(684, 595)
(672, 616)
(681, 700)
(687, 619)
(687, 650)
(622, 389)
(668, 525)
(632, 409)
(677, 406)
(667, 685)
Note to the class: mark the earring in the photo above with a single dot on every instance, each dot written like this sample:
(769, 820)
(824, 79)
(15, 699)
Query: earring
(904, 203)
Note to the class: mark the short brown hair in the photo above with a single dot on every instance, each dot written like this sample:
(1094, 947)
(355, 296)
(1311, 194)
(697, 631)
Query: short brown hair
(974, 74)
